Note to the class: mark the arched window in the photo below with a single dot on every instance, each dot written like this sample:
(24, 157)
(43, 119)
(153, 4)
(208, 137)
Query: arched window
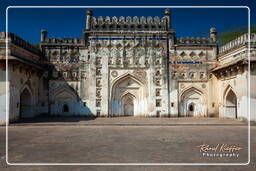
(65, 108)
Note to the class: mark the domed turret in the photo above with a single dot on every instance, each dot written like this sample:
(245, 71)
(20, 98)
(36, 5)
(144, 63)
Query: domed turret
(213, 34)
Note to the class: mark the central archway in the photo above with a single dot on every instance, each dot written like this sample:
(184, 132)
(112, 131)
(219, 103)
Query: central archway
(127, 94)
(128, 105)
(191, 101)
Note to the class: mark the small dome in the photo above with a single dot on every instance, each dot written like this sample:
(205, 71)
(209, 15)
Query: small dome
(167, 11)
(213, 30)
(89, 12)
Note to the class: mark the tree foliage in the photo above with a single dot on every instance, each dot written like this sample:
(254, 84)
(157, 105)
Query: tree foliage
(225, 37)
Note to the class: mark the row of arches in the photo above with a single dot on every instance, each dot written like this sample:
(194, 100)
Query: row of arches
(63, 95)
(128, 94)
(193, 103)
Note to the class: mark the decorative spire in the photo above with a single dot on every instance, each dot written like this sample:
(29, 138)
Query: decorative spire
(167, 12)
(89, 15)
(213, 34)
(43, 35)
(89, 12)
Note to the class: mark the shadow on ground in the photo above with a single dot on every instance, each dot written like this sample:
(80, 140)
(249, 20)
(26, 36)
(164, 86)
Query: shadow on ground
(56, 119)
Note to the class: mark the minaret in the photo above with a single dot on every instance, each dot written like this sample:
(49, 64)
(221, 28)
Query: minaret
(43, 35)
(89, 15)
(167, 15)
(213, 34)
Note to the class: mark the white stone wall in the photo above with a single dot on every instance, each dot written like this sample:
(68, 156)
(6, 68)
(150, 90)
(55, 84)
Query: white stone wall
(21, 78)
(253, 95)
(193, 92)
(239, 85)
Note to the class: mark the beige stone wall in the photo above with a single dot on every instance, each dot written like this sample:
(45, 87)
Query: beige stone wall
(239, 85)
(22, 77)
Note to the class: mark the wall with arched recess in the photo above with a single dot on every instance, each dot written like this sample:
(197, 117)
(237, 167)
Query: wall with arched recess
(229, 108)
(239, 85)
(192, 95)
(26, 77)
(26, 103)
(128, 84)
(63, 96)
(230, 103)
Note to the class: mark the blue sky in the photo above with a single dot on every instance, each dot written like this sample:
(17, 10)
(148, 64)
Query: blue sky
(70, 22)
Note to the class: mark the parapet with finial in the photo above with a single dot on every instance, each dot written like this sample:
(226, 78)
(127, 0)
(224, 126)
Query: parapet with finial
(129, 24)
(195, 41)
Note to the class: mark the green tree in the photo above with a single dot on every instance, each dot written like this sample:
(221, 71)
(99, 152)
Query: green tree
(225, 37)
(37, 45)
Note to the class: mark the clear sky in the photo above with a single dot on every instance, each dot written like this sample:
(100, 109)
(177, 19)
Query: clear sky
(68, 22)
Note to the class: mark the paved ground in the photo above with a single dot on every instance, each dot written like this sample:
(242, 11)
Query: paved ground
(124, 143)
(127, 121)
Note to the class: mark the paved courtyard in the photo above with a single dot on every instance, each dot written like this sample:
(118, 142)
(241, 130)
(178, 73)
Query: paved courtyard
(175, 141)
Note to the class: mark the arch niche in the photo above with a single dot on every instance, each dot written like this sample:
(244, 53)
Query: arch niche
(191, 103)
(65, 100)
(128, 97)
(230, 103)
(26, 106)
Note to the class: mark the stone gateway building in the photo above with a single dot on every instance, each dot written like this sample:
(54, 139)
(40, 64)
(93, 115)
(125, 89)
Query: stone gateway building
(128, 67)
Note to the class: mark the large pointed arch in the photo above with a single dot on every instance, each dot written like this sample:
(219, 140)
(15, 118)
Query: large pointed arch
(124, 77)
(127, 85)
(230, 102)
(227, 90)
(190, 89)
(65, 93)
(26, 102)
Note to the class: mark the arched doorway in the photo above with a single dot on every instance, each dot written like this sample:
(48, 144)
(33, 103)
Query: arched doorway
(65, 108)
(65, 101)
(25, 104)
(191, 109)
(230, 104)
(128, 105)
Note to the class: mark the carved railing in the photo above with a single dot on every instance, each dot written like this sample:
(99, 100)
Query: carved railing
(242, 40)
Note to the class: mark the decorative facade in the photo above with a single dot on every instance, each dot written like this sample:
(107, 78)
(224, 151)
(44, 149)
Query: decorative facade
(136, 67)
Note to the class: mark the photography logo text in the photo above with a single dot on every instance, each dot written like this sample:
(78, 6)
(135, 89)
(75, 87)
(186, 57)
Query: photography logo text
(219, 150)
